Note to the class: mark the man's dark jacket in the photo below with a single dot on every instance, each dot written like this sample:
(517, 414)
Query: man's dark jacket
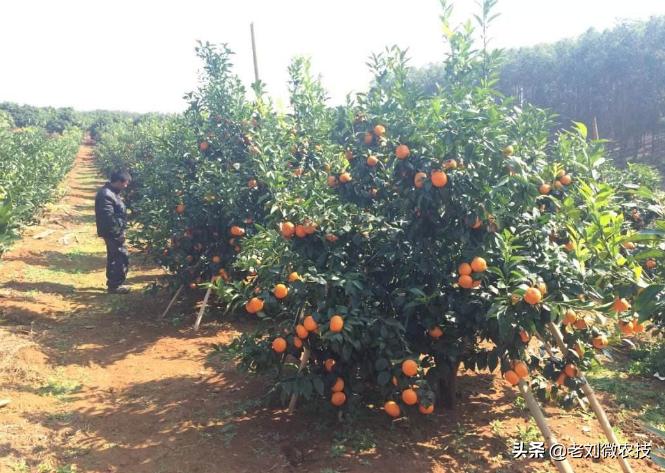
(110, 213)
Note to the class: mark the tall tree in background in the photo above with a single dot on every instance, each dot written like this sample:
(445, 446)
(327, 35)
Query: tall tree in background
(616, 76)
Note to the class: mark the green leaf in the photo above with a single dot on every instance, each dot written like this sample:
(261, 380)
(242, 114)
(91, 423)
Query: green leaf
(381, 364)
(581, 128)
(318, 385)
(383, 378)
(648, 301)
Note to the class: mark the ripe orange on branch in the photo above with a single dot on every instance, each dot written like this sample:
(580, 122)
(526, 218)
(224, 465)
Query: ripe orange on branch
(511, 377)
(419, 179)
(570, 370)
(338, 398)
(569, 317)
(301, 331)
(533, 296)
(436, 332)
(336, 323)
(310, 324)
(254, 305)
(439, 179)
(392, 409)
(521, 369)
(465, 281)
(426, 410)
(465, 269)
(545, 189)
(478, 265)
(402, 152)
(379, 130)
(409, 396)
(237, 231)
(280, 291)
(338, 386)
(287, 229)
(300, 231)
(279, 345)
(409, 368)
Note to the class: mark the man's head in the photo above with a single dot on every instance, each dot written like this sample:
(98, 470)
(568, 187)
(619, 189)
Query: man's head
(120, 180)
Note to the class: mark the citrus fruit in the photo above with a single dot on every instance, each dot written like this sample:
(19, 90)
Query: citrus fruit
(280, 291)
(336, 323)
(279, 345)
(409, 368)
(439, 178)
(402, 152)
(392, 409)
(409, 397)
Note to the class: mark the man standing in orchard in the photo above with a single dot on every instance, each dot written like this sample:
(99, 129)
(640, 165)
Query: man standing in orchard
(111, 218)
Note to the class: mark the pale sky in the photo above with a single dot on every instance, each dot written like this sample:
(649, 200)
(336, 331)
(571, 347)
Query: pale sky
(138, 55)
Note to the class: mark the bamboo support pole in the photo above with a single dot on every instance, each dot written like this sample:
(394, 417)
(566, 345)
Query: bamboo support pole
(304, 359)
(593, 401)
(595, 134)
(199, 317)
(562, 465)
(548, 349)
(173, 299)
(256, 62)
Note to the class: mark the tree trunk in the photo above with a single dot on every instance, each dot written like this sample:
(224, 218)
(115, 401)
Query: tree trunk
(447, 383)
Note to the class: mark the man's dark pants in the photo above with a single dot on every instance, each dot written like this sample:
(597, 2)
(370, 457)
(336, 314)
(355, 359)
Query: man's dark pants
(117, 262)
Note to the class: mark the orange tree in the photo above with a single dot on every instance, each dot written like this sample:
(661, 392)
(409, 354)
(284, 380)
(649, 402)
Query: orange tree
(444, 230)
(195, 195)
(391, 239)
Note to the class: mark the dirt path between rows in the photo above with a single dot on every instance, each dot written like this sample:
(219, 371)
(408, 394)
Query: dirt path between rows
(97, 384)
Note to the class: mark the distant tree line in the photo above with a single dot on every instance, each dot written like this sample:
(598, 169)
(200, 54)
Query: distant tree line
(57, 120)
(616, 76)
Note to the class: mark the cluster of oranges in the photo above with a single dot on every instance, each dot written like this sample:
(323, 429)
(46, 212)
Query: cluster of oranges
(302, 331)
(438, 177)
(519, 371)
(409, 395)
(626, 327)
(562, 179)
(465, 271)
(288, 229)
(569, 371)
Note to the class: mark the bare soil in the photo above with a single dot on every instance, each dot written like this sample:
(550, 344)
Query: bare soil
(97, 383)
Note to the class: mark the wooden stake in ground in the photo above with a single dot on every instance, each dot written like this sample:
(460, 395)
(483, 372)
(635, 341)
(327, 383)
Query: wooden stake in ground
(304, 359)
(563, 466)
(173, 299)
(593, 401)
(203, 306)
